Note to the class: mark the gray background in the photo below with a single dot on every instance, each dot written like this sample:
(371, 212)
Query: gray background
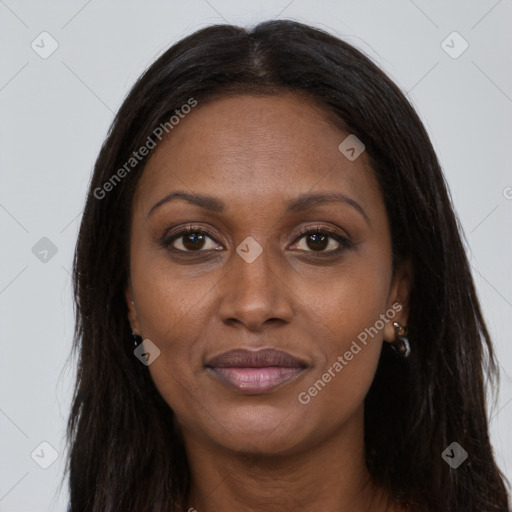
(55, 115)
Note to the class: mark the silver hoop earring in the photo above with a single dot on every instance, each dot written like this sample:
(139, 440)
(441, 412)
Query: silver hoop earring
(401, 346)
(136, 339)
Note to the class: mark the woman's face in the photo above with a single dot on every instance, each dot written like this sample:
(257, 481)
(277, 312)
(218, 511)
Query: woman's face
(248, 279)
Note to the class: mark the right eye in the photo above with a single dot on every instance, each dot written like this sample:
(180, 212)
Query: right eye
(191, 239)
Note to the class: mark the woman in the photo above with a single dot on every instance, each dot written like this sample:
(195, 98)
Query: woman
(274, 307)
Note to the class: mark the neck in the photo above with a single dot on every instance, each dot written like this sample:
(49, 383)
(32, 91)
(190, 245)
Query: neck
(330, 476)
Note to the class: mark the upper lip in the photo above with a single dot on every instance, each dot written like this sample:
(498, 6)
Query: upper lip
(245, 358)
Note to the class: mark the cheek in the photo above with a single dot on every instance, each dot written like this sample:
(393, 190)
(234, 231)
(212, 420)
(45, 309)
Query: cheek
(336, 388)
(172, 314)
(349, 334)
(347, 300)
(170, 299)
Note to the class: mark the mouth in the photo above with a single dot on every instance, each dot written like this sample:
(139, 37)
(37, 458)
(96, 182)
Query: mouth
(256, 372)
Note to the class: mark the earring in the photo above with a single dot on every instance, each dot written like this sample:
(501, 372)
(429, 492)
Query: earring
(401, 347)
(136, 338)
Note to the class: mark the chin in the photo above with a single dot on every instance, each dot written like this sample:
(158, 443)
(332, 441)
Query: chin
(261, 431)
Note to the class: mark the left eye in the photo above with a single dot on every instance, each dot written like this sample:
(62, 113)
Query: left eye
(318, 239)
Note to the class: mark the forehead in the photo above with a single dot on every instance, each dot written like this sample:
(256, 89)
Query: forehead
(255, 148)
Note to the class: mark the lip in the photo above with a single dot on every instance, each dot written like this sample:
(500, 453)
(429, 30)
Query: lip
(256, 372)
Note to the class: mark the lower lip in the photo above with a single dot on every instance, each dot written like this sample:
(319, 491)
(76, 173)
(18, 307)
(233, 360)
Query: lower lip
(253, 381)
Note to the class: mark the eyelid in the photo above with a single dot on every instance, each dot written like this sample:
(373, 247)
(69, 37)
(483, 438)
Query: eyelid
(323, 229)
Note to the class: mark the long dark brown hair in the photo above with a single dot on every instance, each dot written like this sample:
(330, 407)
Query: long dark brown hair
(125, 453)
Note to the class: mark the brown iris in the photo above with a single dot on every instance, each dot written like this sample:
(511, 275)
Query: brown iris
(193, 241)
(319, 241)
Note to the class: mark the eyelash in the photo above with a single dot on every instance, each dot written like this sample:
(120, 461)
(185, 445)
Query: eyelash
(345, 243)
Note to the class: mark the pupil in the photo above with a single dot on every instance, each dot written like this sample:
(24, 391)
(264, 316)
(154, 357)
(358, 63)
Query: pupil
(316, 239)
(194, 244)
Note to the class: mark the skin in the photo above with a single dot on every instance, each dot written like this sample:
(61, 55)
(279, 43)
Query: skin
(265, 452)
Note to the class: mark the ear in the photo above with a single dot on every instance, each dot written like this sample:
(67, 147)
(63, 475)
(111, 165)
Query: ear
(398, 299)
(132, 311)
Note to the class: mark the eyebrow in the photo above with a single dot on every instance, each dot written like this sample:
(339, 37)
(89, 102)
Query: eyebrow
(300, 203)
(308, 201)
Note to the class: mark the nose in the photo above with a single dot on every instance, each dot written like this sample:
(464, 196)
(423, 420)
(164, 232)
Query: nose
(255, 294)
